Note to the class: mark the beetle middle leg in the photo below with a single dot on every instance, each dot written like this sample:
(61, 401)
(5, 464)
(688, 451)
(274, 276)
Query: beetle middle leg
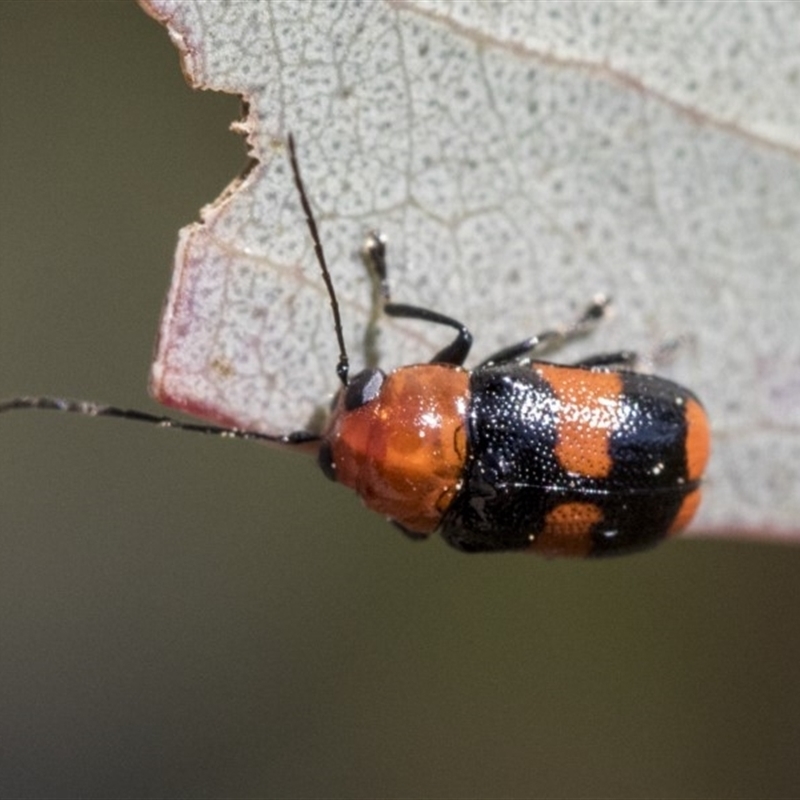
(631, 360)
(454, 353)
(623, 359)
(552, 339)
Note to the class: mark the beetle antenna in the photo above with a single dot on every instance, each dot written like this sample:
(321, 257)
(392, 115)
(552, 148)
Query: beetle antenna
(89, 409)
(344, 363)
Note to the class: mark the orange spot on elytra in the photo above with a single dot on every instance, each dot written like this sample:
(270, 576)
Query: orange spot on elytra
(567, 530)
(685, 513)
(698, 440)
(587, 414)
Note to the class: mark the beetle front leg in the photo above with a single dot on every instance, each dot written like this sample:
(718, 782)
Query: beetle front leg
(457, 351)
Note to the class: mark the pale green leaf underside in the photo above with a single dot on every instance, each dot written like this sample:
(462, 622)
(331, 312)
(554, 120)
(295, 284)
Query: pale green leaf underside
(520, 157)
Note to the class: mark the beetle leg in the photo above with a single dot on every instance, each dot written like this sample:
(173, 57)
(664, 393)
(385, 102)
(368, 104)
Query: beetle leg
(623, 359)
(553, 339)
(457, 351)
(413, 535)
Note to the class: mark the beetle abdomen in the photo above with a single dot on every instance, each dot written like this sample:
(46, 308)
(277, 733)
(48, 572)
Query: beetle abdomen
(576, 461)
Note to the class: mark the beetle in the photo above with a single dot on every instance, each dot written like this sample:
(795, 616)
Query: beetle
(590, 459)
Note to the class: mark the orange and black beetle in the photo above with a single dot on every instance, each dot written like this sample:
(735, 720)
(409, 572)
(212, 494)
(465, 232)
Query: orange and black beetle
(592, 459)
(583, 460)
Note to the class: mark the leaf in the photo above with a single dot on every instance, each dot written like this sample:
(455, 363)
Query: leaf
(520, 157)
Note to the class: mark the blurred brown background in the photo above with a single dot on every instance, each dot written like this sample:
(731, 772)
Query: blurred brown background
(182, 616)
